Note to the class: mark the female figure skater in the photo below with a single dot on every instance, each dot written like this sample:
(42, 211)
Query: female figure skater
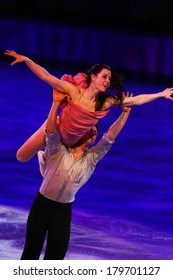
(87, 101)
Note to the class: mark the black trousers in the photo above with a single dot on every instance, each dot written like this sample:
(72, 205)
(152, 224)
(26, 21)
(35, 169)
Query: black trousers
(52, 218)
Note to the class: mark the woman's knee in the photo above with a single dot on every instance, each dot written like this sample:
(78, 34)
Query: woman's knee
(21, 156)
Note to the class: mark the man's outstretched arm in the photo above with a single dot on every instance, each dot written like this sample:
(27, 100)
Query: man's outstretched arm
(118, 125)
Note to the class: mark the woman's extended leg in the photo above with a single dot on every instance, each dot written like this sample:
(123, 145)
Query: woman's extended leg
(32, 145)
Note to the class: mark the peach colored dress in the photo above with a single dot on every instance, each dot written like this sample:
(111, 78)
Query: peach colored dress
(76, 121)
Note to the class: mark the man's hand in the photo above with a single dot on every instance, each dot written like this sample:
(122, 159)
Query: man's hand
(58, 96)
(124, 107)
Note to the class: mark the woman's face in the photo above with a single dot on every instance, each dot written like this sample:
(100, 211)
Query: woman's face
(101, 81)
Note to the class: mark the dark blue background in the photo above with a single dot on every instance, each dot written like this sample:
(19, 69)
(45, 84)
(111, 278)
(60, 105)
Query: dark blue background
(134, 180)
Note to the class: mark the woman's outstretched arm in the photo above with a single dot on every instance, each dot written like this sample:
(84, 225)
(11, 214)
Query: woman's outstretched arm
(44, 75)
(146, 98)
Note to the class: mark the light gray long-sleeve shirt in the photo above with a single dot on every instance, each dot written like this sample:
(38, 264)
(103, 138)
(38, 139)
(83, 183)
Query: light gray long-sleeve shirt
(62, 175)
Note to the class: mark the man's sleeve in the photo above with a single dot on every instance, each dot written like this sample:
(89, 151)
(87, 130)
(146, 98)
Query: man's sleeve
(41, 162)
(101, 148)
(52, 143)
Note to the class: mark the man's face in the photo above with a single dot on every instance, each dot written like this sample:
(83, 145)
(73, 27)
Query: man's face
(89, 137)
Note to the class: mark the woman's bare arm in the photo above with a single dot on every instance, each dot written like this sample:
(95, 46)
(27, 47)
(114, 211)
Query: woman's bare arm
(44, 75)
(146, 98)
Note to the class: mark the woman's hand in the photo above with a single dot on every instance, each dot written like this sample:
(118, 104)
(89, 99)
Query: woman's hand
(18, 57)
(168, 93)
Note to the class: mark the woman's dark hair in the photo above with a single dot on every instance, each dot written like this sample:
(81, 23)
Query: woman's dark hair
(97, 127)
(116, 83)
(96, 69)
